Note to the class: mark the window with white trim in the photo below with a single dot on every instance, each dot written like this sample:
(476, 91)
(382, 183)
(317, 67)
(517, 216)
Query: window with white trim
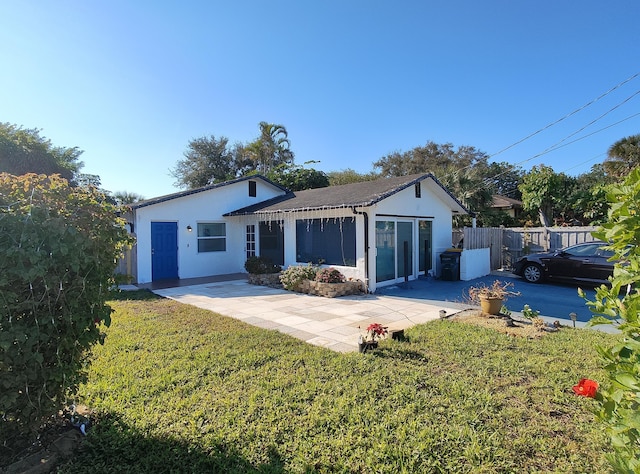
(251, 240)
(212, 237)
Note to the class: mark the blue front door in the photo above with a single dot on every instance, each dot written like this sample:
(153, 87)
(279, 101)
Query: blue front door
(164, 250)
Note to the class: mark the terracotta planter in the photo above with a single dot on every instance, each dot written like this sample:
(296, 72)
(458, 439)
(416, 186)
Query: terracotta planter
(491, 305)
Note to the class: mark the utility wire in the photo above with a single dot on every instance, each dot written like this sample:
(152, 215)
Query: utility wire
(566, 116)
(559, 145)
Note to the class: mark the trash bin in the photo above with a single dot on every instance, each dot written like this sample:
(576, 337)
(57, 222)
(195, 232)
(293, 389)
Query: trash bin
(450, 266)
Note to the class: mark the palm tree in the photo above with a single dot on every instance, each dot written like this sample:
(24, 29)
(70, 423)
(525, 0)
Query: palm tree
(271, 148)
(623, 156)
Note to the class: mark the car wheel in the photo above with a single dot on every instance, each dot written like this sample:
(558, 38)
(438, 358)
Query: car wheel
(532, 273)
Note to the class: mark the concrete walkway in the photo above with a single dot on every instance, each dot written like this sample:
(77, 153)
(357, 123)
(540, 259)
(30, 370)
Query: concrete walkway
(334, 323)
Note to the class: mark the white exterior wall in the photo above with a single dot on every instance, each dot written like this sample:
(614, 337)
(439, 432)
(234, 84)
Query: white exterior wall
(404, 206)
(474, 263)
(205, 206)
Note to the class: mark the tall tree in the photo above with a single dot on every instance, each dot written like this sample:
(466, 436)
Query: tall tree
(271, 148)
(503, 179)
(25, 151)
(588, 201)
(541, 188)
(208, 160)
(462, 170)
(623, 156)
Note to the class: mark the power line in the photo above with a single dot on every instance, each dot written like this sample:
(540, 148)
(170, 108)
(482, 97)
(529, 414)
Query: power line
(558, 146)
(566, 116)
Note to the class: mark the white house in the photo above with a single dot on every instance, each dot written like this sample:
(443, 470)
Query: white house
(378, 231)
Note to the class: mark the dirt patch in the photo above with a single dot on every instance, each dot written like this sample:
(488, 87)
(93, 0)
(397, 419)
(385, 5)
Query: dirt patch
(501, 324)
(57, 442)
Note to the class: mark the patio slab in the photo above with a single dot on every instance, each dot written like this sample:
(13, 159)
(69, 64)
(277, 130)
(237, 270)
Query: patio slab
(327, 322)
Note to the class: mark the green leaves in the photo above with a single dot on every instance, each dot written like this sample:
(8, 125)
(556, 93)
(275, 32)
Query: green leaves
(58, 250)
(621, 303)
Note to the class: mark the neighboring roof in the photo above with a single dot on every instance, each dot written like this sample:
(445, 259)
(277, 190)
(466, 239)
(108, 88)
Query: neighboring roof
(362, 194)
(169, 197)
(504, 202)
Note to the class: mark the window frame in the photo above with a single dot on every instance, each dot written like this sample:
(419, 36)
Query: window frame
(200, 230)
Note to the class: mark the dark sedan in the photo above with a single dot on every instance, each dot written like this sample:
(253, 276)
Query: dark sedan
(585, 263)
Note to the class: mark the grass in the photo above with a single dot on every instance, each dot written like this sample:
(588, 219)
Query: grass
(179, 389)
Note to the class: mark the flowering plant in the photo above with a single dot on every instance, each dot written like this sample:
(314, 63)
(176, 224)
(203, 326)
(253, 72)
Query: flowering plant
(376, 331)
(330, 275)
(586, 388)
(294, 274)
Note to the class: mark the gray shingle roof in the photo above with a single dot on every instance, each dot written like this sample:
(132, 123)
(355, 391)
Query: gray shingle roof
(361, 194)
(168, 197)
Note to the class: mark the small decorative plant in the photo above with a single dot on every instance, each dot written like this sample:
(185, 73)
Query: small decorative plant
(260, 265)
(497, 290)
(376, 331)
(293, 275)
(330, 275)
(529, 313)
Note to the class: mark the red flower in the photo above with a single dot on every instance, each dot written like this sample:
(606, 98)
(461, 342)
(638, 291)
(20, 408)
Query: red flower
(376, 330)
(586, 388)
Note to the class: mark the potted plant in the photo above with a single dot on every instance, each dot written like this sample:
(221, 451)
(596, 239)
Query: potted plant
(375, 332)
(491, 297)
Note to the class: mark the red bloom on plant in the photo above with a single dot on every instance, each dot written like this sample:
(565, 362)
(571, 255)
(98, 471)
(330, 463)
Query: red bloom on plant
(376, 330)
(586, 388)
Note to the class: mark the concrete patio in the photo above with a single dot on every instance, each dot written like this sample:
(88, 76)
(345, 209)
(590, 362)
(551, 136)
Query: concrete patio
(334, 323)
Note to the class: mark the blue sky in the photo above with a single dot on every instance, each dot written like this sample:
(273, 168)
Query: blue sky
(131, 82)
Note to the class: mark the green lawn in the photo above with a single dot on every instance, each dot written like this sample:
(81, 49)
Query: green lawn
(180, 389)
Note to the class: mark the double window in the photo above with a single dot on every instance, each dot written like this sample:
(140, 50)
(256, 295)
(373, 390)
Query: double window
(212, 237)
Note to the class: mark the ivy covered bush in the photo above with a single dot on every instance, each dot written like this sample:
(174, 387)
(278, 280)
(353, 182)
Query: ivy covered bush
(293, 275)
(58, 247)
(261, 265)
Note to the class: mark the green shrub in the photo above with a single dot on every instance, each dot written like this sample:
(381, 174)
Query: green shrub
(59, 248)
(259, 265)
(619, 304)
(293, 275)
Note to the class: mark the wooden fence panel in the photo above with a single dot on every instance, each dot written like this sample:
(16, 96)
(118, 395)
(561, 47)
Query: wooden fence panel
(508, 244)
(127, 264)
(485, 237)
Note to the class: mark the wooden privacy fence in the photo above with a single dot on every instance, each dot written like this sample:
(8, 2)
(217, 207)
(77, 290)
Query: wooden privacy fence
(127, 264)
(508, 244)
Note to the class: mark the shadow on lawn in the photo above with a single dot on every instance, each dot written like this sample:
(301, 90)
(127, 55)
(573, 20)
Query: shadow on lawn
(115, 446)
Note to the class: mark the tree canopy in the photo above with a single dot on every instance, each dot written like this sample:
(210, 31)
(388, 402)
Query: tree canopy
(25, 151)
(298, 178)
(465, 171)
(348, 176)
(623, 157)
(210, 160)
(271, 148)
